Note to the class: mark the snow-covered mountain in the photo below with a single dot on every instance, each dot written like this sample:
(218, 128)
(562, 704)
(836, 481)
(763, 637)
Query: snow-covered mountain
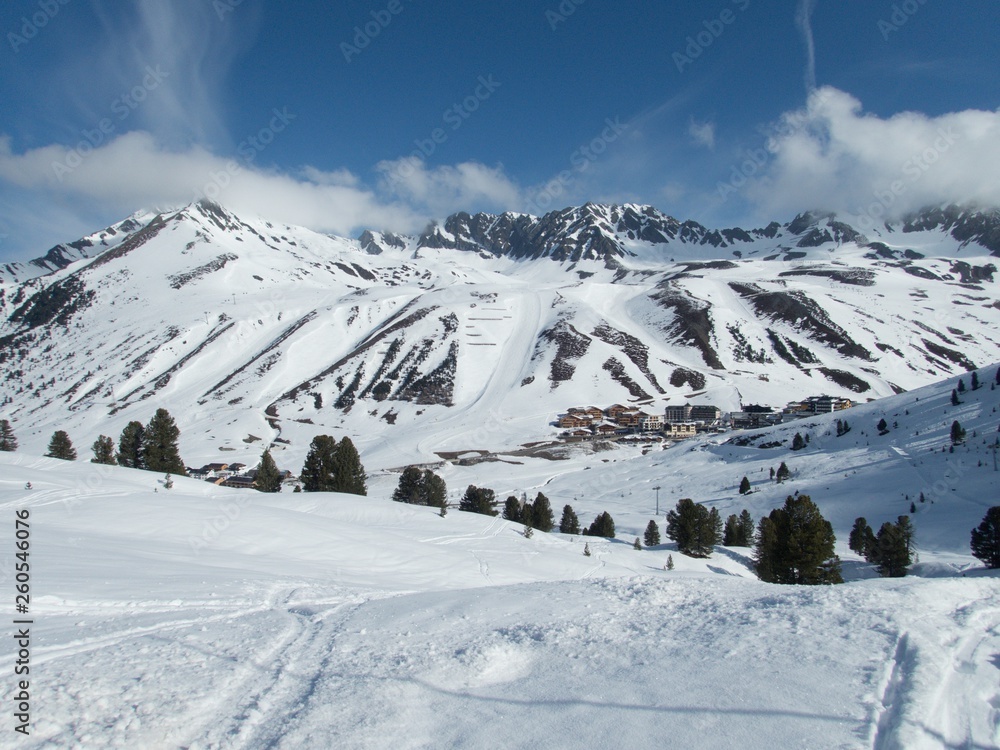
(476, 333)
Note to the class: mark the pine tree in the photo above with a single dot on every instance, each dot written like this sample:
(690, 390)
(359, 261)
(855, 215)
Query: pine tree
(130, 446)
(570, 523)
(512, 509)
(957, 433)
(168, 482)
(670, 562)
(318, 470)
(104, 451)
(893, 556)
(348, 471)
(986, 538)
(796, 545)
(637, 545)
(652, 535)
(409, 488)
(954, 398)
(695, 528)
(527, 513)
(975, 381)
(159, 445)
(586, 549)
(433, 490)
(783, 473)
(732, 531)
(478, 500)
(745, 486)
(882, 426)
(857, 542)
(541, 512)
(997, 378)
(60, 446)
(528, 532)
(746, 535)
(603, 525)
(7, 440)
(268, 477)
(905, 527)
(798, 443)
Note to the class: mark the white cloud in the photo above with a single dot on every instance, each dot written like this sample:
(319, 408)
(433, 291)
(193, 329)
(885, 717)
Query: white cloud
(134, 171)
(832, 155)
(703, 133)
(446, 189)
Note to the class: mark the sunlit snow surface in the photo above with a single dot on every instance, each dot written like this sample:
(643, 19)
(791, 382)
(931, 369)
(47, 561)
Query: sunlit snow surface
(203, 617)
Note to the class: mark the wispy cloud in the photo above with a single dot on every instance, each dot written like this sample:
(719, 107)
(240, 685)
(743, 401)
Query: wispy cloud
(703, 133)
(803, 20)
(188, 40)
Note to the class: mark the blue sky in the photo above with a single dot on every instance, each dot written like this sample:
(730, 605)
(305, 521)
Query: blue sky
(387, 114)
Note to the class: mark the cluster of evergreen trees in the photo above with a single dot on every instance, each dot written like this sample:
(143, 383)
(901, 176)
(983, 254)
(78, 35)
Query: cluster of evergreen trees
(333, 467)
(891, 550)
(418, 487)
(534, 515)
(537, 514)
(739, 530)
(795, 545)
(695, 528)
(152, 447)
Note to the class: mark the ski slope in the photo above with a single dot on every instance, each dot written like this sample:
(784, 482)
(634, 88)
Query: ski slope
(206, 617)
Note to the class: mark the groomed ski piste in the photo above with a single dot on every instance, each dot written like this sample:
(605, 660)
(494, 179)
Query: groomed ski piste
(208, 617)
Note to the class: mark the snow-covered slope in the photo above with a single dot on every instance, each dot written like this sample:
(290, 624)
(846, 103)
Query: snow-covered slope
(209, 617)
(477, 335)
